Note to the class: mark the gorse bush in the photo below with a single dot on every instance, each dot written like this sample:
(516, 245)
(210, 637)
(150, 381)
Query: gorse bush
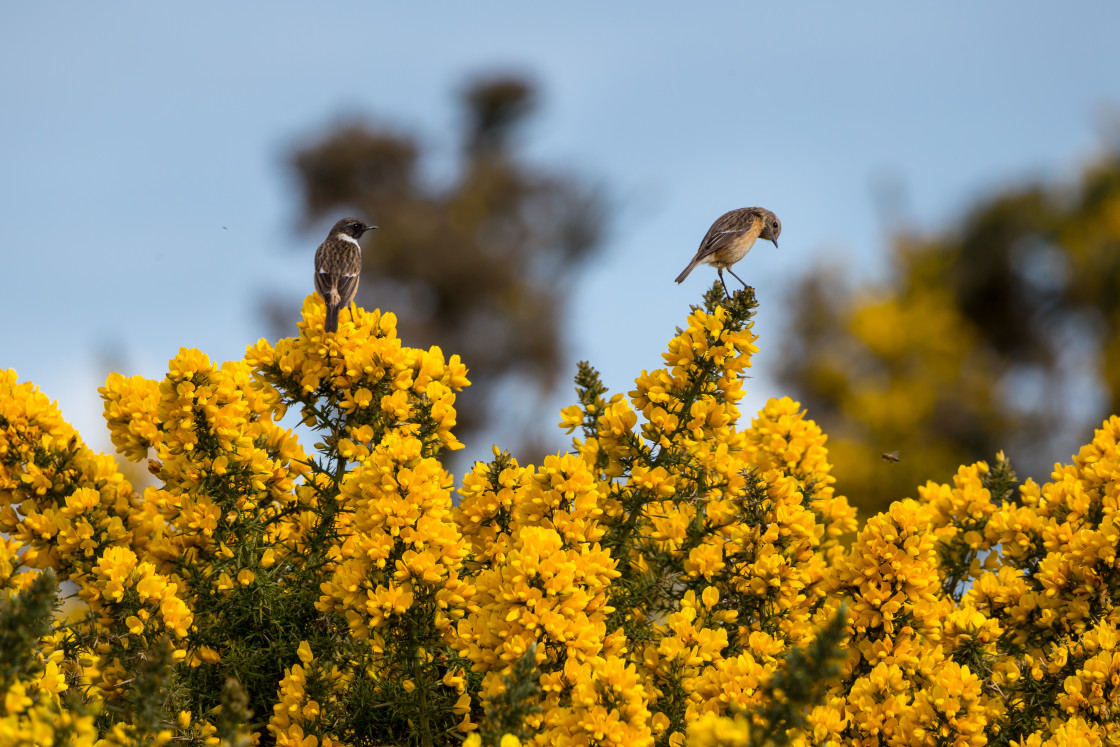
(674, 578)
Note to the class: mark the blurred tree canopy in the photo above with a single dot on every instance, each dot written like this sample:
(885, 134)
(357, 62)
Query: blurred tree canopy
(1001, 333)
(479, 264)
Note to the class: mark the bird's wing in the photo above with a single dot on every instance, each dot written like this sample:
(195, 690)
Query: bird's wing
(325, 280)
(725, 230)
(348, 285)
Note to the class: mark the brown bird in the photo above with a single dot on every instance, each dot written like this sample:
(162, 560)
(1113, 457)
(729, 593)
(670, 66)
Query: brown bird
(731, 237)
(338, 266)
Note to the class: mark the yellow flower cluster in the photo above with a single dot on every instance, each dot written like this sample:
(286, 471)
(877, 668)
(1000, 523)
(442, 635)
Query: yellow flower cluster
(297, 717)
(1074, 732)
(901, 683)
(545, 589)
(711, 730)
(656, 584)
(66, 508)
(11, 579)
(130, 412)
(240, 513)
(120, 587)
(31, 711)
(394, 556)
(749, 538)
(973, 617)
(709, 355)
(369, 374)
(712, 532)
(221, 458)
(400, 547)
(58, 499)
(46, 723)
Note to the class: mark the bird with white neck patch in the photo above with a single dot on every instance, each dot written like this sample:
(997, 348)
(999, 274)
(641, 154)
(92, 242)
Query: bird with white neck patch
(338, 266)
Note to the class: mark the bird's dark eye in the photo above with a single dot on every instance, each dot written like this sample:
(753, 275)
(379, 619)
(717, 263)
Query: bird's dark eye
(774, 224)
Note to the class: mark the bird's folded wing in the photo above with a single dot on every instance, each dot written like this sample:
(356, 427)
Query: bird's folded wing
(347, 287)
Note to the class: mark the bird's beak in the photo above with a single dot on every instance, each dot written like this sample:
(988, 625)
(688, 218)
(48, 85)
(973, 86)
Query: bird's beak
(775, 243)
(368, 228)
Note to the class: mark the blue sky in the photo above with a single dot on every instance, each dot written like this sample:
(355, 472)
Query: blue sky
(147, 203)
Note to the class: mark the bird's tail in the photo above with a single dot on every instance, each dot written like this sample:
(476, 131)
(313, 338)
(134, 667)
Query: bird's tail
(683, 275)
(331, 324)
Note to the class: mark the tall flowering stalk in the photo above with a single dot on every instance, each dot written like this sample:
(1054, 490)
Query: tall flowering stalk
(676, 577)
(663, 568)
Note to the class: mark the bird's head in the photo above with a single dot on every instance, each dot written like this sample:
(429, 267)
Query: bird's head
(352, 227)
(771, 227)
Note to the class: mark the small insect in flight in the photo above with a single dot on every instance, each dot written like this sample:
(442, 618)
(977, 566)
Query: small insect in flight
(891, 457)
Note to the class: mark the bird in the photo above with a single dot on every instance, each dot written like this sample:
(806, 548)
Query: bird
(338, 266)
(731, 237)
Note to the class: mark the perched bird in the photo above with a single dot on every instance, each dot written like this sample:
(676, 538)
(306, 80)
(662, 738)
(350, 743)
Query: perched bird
(731, 237)
(338, 265)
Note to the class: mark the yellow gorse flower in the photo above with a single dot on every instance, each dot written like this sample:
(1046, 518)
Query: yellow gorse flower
(654, 584)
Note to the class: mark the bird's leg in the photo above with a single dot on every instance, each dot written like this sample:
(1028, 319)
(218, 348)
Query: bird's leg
(720, 271)
(737, 277)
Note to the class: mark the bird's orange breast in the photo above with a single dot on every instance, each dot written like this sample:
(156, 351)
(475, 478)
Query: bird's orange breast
(738, 247)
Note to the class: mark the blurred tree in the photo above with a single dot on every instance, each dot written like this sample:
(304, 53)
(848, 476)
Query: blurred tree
(481, 265)
(1003, 333)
